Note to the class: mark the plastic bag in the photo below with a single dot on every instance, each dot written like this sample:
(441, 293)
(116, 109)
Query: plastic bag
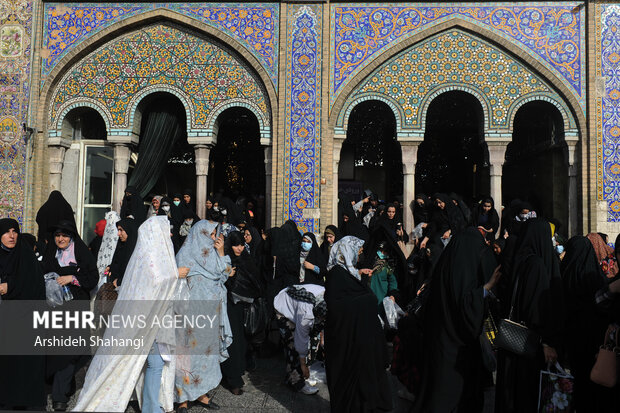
(317, 373)
(393, 312)
(53, 290)
(181, 296)
(555, 390)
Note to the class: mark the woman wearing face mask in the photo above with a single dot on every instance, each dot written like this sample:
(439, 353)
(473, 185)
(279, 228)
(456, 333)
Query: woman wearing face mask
(22, 384)
(243, 287)
(127, 238)
(383, 280)
(313, 265)
(175, 218)
(177, 198)
(70, 258)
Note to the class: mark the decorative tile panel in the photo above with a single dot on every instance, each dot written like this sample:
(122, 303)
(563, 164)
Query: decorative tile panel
(203, 74)
(607, 108)
(15, 56)
(254, 25)
(303, 114)
(454, 60)
(552, 33)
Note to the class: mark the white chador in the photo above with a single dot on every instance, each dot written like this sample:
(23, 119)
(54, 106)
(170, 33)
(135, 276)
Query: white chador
(149, 282)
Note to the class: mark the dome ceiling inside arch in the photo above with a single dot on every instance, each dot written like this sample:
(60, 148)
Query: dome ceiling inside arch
(452, 59)
(159, 58)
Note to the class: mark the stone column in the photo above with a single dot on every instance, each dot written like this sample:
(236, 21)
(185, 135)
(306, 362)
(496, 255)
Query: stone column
(202, 171)
(497, 157)
(268, 177)
(57, 158)
(122, 154)
(337, 148)
(410, 158)
(573, 201)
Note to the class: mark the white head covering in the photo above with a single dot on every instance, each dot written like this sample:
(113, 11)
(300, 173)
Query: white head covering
(108, 246)
(344, 253)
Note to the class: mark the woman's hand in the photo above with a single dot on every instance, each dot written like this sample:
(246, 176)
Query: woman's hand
(183, 271)
(308, 266)
(423, 243)
(614, 287)
(494, 278)
(4, 288)
(446, 234)
(233, 271)
(115, 283)
(551, 356)
(107, 270)
(366, 271)
(65, 279)
(219, 245)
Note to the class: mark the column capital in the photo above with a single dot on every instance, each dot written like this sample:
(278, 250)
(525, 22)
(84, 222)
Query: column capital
(202, 159)
(124, 137)
(572, 152)
(57, 158)
(410, 156)
(122, 155)
(497, 155)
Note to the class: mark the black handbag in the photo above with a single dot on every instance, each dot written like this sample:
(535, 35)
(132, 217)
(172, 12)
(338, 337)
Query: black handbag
(255, 317)
(516, 337)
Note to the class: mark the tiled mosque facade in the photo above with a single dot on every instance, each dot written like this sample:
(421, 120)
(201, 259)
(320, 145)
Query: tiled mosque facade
(300, 68)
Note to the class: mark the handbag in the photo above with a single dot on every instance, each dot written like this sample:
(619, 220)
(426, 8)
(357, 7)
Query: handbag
(555, 391)
(516, 337)
(105, 300)
(605, 369)
(255, 317)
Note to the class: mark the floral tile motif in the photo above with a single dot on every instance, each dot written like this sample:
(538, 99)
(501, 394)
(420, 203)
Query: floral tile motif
(255, 26)
(552, 33)
(303, 115)
(161, 57)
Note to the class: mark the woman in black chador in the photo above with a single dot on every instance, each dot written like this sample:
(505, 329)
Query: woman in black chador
(539, 305)
(127, 238)
(586, 324)
(453, 373)
(70, 258)
(22, 378)
(312, 263)
(355, 347)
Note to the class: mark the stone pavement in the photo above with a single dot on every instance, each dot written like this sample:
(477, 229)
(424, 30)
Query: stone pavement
(265, 392)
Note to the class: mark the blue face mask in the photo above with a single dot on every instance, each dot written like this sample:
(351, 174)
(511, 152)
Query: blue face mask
(306, 246)
(177, 203)
(559, 249)
(381, 255)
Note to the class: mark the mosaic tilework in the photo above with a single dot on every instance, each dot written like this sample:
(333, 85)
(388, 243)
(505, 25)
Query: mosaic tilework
(452, 58)
(553, 33)
(608, 109)
(15, 55)
(159, 56)
(303, 115)
(255, 26)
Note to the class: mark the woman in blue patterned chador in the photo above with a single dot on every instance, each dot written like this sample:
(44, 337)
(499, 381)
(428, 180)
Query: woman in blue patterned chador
(209, 269)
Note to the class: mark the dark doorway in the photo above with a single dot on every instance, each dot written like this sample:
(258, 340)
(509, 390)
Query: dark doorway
(237, 162)
(454, 156)
(371, 156)
(536, 168)
(178, 171)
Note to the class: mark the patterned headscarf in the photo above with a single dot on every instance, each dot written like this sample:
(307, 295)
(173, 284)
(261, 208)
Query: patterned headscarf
(604, 255)
(108, 246)
(344, 253)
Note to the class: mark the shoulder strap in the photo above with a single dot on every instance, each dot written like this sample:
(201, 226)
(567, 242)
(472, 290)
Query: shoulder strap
(514, 298)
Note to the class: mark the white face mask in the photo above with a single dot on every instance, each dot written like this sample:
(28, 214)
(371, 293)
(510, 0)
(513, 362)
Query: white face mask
(166, 208)
(177, 203)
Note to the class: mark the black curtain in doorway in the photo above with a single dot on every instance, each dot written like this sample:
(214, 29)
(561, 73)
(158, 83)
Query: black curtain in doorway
(161, 131)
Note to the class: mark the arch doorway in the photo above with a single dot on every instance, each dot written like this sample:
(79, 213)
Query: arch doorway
(536, 167)
(165, 160)
(237, 162)
(371, 156)
(453, 156)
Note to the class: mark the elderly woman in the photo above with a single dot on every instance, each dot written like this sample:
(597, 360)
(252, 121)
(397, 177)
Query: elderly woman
(355, 345)
(197, 374)
(70, 258)
(22, 383)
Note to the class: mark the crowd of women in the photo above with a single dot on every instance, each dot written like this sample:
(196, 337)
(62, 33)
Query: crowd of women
(327, 301)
